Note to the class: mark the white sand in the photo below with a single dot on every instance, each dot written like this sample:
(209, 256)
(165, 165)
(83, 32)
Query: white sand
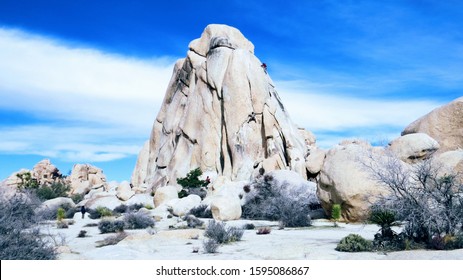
(316, 243)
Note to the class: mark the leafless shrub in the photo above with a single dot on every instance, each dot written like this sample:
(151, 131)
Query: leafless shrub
(426, 197)
(20, 238)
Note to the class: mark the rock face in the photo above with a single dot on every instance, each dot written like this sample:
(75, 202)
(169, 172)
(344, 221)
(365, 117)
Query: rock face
(344, 181)
(45, 172)
(413, 147)
(85, 177)
(221, 113)
(445, 124)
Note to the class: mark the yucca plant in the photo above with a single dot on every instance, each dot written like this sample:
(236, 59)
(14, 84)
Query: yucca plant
(385, 219)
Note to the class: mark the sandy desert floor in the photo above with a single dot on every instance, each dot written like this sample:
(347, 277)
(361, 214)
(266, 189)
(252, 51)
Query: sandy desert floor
(314, 243)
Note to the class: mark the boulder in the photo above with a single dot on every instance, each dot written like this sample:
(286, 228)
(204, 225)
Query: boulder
(165, 194)
(450, 162)
(84, 177)
(225, 208)
(57, 202)
(144, 199)
(221, 113)
(444, 124)
(345, 180)
(414, 147)
(45, 172)
(124, 191)
(181, 206)
(314, 161)
(110, 202)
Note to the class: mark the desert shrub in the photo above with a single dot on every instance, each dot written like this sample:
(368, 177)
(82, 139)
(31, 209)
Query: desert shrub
(82, 233)
(27, 181)
(112, 240)
(249, 226)
(284, 203)
(77, 198)
(192, 221)
(107, 226)
(218, 232)
(60, 214)
(54, 190)
(336, 213)
(453, 242)
(136, 206)
(99, 212)
(19, 238)
(385, 219)
(264, 230)
(192, 184)
(138, 221)
(426, 197)
(354, 243)
(210, 246)
(121, 209)
(148, 206)
(201, 211)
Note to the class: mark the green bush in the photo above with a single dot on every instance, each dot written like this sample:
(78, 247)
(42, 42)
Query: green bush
(354, 243)
(192, 184)
(60, 214)
(336, 213)
(54, 190)
(77, 197)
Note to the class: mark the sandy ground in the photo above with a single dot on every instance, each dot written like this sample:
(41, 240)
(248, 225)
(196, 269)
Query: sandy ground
(314, 243)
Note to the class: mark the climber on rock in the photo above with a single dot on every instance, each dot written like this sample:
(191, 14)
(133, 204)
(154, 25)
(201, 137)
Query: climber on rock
(264, 66)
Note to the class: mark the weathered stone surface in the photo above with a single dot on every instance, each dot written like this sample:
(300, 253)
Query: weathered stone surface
(226, 208)
(344, 180)
(221, 113)
(124, 191)
(314, 161)
(109, 201)
(139, 173)
(45, 172)
(450, 162)
(413, 147)
(145, 199)
(84, 177)
(181, 206)
(444, 124)
(165, 194)
(56, 202)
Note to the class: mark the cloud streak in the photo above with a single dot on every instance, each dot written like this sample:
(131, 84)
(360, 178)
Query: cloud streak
(100, 106)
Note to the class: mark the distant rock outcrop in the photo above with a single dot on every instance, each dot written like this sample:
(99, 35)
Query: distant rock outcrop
(221, 113)
(86, 177)
(445, 124)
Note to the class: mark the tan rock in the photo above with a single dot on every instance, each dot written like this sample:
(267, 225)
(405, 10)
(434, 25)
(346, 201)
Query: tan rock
(124, 191)
(226, 208)
(45, 172)
(314, 161)
(344, 180)
(84, 177)
(139, 173)
(221, 113)
(444, 124)
(413, 147)
(181, 206)
(165, 194)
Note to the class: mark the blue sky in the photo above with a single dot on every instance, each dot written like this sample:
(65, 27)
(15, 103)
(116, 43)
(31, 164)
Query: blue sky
(82, 81)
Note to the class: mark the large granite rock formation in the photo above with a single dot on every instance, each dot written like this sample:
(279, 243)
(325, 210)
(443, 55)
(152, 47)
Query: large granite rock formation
(221, 113)
(445, 124)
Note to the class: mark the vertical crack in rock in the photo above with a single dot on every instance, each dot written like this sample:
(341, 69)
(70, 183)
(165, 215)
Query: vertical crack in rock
(198, 126)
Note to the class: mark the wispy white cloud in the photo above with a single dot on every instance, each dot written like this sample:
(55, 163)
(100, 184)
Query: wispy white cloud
(91, 98)
(101, 106)
(333, 117)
